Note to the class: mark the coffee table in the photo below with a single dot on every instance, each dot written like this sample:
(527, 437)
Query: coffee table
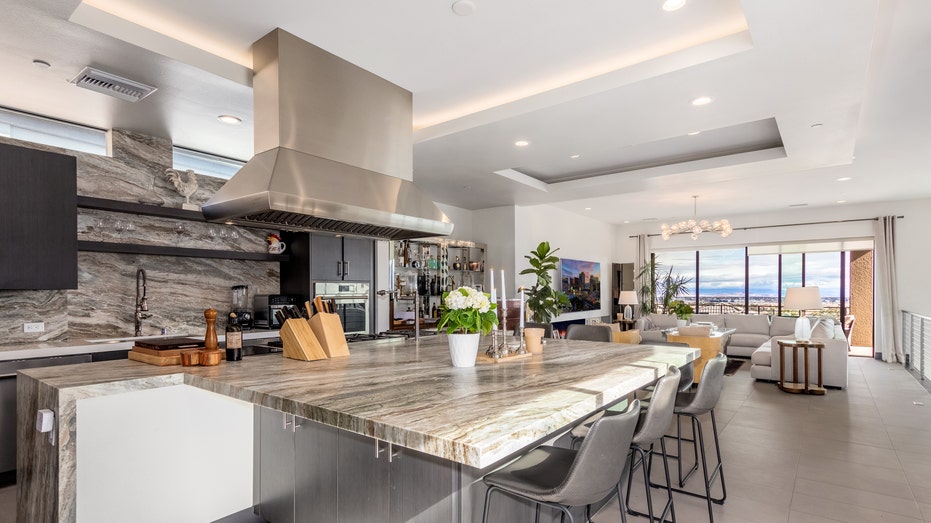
(710, 346)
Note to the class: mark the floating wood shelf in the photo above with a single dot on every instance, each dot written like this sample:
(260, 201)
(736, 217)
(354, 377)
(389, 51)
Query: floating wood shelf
(158, 250)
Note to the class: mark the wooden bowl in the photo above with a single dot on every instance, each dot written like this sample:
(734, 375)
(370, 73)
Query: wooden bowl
(210, 357)
(190, 358)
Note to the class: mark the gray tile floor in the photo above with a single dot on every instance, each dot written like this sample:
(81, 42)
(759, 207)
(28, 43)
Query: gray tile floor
(858, 455)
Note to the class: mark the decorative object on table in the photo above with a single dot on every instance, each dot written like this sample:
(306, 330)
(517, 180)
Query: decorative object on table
(803, 299)
(275, 245)
(185, 187)
(233, 342)
(694, 227)
(534, 338)
(210, 357)
(466, 314)
(682, 310)
(628, 298)
(543, 301)
(210, 338)
(662, 286)
(581, 282)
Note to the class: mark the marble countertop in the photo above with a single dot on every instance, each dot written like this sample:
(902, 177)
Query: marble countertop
(408, 393)
(50, 349)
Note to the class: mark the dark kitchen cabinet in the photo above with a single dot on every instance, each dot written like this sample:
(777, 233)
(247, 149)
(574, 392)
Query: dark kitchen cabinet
(334, 258)
(38, 219)
(315, 472)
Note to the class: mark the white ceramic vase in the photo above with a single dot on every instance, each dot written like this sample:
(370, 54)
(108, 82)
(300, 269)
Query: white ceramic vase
(463, 348)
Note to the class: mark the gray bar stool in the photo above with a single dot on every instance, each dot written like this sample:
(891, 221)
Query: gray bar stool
(600, 332)
(693, 405)
(563, 478)
(652, 427)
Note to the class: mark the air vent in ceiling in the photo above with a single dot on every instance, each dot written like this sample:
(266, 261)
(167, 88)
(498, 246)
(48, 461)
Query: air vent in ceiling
(111, 84)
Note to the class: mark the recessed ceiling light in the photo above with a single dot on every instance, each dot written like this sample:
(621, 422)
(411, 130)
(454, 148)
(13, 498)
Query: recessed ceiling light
(702, 100)
(229, 119)
(799, 205)
(626, 221)
(588, 208)
(42, 64)
(816, 125)
(463, 7)
(649, 219)
(673, 5)
(844, 179)
(522, 143)
(693, 133)
(574, 156)
(841, 201)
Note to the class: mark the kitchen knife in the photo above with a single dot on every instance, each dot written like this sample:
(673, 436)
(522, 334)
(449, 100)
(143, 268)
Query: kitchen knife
(318, 304)
(280, 316)
(308, 312)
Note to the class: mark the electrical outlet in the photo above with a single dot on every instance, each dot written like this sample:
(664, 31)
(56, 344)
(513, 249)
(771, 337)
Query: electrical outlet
(38, 326)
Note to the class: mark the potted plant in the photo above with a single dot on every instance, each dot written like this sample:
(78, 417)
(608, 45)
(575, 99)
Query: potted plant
(682, 310)
(543, 301)
(466, 314)
(658, 285)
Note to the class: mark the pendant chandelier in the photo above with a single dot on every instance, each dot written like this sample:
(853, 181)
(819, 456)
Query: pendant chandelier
(694, 226)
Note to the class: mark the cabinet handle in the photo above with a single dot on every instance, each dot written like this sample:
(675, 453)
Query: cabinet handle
(339, 268)
(345, 268)
(284, 421)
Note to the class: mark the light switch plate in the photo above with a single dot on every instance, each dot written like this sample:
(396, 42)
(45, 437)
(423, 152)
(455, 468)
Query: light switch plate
(38, 326)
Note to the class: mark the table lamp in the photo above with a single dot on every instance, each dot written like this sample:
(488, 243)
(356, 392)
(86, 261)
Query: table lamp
(628, 298)
(803, 299)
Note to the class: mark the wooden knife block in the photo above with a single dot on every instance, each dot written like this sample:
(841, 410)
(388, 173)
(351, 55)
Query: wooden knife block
(329, 331)
(298, 341)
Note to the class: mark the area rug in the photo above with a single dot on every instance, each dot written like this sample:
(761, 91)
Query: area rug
(733, 365)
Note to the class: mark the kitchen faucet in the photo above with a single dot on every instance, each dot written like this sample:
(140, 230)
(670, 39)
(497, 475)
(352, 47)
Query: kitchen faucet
(395, 294)
(142, 303)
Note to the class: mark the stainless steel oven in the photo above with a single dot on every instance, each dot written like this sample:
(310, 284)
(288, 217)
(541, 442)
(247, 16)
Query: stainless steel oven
(351, 302)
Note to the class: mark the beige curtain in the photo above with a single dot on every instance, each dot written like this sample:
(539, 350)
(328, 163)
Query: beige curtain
(887, 333)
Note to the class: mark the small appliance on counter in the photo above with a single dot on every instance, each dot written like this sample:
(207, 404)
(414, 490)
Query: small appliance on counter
(266, 305)
(242, 306)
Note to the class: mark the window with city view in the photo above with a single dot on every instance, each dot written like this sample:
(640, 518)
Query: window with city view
(737, 281)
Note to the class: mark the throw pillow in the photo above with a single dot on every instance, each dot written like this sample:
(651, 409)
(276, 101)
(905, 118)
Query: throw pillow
(663, 321)
(823, 328)
(632, 337)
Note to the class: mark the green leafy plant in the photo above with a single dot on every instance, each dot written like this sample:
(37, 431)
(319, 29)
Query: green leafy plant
(659, 286)
(682, 310)
(467, 311)
(543, 301)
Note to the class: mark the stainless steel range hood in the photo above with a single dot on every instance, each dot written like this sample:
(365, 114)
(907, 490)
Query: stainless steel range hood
(336, 150)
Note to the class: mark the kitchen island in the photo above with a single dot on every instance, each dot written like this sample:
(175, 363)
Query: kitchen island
(387, 399)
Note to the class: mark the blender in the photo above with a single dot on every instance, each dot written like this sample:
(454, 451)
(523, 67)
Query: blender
(242, 305)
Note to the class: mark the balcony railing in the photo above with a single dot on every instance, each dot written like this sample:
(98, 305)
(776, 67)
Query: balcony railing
(916, 344)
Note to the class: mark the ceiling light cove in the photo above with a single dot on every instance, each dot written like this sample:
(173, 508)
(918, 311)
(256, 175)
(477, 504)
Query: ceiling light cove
(673, 5)
(702, 100)
(229, 119)
(521, 143)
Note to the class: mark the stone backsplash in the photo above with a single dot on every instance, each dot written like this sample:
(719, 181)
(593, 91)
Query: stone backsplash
(179, 288)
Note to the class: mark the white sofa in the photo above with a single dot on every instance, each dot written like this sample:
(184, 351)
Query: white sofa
(765, 364)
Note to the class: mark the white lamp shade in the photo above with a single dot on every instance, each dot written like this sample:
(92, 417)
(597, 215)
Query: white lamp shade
(628, 298)
(803, 298)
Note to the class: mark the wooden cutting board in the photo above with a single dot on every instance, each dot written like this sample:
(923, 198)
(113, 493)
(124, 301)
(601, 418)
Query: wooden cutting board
(155, 360)
(164, 352)
(170, 343)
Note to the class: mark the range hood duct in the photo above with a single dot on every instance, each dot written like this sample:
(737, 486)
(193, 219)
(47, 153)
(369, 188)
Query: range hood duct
(336, 150)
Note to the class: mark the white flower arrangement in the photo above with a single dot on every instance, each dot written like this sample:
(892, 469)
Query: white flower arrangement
(466, 310)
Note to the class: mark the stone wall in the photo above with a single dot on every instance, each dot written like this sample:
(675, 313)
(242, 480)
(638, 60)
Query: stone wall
(179, 288)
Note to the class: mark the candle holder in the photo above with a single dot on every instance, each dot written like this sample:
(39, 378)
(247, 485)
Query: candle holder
(503, 348)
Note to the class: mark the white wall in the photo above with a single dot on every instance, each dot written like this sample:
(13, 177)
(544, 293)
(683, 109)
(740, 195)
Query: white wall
(576, 236)
(169, 454)
(495, 228)
(462, 222)
(912, 246)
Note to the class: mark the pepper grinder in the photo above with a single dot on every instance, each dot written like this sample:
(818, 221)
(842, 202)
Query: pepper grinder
(210, 338)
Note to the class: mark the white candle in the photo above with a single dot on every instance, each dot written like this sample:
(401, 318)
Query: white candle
(494, 296)
(522, 309)
(504, 300)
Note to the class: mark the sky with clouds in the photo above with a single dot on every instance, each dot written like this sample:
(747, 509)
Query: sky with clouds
(722, 271)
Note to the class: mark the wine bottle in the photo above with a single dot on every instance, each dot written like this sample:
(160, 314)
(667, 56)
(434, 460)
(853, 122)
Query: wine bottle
(433, 313)
(233, 339)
